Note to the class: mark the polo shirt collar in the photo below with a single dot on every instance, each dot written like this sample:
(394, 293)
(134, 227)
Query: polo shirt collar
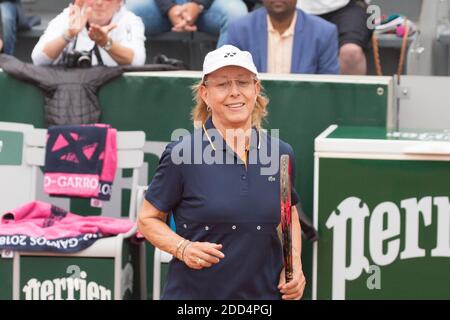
(254, 143)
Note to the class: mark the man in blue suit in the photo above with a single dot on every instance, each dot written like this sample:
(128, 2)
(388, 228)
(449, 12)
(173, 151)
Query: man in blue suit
(284, 39)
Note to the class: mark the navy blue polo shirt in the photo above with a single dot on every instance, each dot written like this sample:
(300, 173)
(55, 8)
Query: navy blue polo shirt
(225, 202)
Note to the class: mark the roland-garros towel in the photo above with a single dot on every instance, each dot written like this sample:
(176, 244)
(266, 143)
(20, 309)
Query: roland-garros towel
(80, 161)
(38, 226)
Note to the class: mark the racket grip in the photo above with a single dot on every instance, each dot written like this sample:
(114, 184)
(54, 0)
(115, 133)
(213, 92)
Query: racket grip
(288, 275)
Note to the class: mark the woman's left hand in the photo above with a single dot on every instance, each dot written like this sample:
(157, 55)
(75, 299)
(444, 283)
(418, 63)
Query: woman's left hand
(99, 34)
(293, 290)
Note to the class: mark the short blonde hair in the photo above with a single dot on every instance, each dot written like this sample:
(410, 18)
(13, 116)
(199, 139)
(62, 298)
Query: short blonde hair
(200, 113)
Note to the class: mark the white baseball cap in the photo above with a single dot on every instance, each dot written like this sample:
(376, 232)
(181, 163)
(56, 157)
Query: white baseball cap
(228, 55)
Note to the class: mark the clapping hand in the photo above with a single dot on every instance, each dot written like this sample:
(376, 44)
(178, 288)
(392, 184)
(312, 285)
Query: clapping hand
(79, 14)
(99, 34)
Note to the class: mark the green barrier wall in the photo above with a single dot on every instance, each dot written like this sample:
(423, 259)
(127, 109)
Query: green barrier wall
(300, 107)
(373, 181)
(6, 266)
(11, 150)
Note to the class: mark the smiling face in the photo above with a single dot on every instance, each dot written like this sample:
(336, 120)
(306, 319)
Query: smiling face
(231, 94)
(103, 10)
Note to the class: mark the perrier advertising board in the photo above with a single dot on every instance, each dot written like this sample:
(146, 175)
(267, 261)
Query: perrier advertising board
(382, 209)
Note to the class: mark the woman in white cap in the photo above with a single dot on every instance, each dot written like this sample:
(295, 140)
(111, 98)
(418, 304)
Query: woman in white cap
(225, 205)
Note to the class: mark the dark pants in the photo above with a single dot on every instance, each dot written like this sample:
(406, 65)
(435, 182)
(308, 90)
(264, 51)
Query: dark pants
(351, 22)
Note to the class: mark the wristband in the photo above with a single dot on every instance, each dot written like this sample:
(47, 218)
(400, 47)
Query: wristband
(66, 38)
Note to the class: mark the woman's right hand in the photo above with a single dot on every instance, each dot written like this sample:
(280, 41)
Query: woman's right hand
(79, 14)
(199, 255)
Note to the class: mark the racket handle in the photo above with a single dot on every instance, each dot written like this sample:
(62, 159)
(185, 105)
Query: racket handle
(288, 275)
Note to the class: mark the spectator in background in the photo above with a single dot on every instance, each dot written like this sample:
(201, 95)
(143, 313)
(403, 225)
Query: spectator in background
(350, 17)
(8, 17)
(210, 16)
(107, 25)
(283, 39)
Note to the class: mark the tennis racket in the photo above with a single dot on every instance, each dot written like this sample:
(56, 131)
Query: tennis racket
(286, 218)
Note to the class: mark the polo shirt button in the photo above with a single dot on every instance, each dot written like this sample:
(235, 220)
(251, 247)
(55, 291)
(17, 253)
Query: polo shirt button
(184, 226)
(244, 177)
(258, 227)
(206, 228)
(233, 227)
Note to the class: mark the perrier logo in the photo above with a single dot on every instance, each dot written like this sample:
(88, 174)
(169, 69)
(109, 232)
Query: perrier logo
(69, 288)
(352, 213)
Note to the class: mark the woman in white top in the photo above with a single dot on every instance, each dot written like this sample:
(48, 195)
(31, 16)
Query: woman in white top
(318, 7)
(350, 17)
(117, 32)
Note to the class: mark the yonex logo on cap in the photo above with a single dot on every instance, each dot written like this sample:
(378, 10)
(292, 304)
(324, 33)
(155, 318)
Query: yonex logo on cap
(219, 58)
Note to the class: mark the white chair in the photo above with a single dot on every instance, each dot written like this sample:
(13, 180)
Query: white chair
(116, 260)
(160, 258)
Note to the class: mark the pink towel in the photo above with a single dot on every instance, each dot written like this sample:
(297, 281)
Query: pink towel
(39, 226)
(109, 158)
(80, 161)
